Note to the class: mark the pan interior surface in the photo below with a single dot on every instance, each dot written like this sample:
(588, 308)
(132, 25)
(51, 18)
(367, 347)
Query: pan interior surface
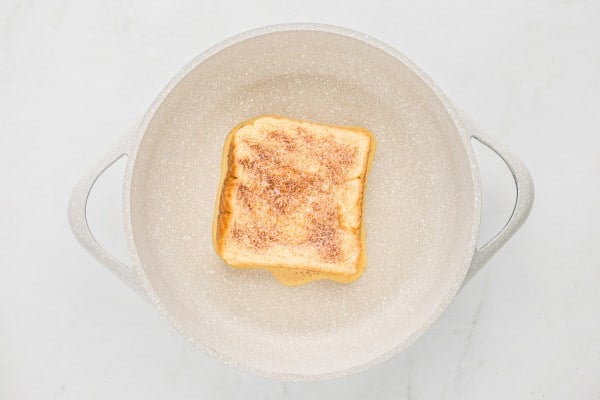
(419, 205)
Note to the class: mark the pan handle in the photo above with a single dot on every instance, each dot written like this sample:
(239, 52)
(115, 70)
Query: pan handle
(78, 216)
(523, 202)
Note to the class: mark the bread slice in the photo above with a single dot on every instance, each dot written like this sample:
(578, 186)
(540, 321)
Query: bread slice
(291, 199)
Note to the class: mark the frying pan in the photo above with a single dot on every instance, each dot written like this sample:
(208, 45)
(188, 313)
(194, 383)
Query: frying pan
(422, 205)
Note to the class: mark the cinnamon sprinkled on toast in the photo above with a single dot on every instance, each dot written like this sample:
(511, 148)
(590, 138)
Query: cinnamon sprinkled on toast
(291, 199)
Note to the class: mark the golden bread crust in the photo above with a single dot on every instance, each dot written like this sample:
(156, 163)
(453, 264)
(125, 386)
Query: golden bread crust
(291, 199)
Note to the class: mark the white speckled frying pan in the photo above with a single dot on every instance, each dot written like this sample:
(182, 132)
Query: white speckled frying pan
(422, 204)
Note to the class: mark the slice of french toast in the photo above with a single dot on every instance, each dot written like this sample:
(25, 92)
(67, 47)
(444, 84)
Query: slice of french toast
(291, 198)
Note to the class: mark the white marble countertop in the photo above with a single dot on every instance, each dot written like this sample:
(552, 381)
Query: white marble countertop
(75, 75)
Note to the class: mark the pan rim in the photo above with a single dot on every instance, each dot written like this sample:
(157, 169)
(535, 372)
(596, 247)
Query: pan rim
(139, 133)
